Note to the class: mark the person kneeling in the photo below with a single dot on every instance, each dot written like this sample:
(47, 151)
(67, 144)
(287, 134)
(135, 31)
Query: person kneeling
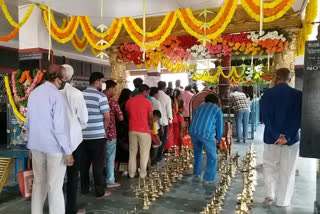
(205, 129)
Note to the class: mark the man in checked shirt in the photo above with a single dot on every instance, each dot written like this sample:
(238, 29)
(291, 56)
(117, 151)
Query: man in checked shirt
(240, 105)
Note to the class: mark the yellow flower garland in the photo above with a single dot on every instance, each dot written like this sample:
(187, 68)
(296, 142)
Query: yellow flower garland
(213, 21)
(64, 28)
(233, 72)
(9, 17)
(153, 33)
(310, 16)
(205, 76)
(153, 44)
(57, 38)
(211, 36)
(81, 41)
(101, 47)
(256, 16)
(13, 105)
(95, 32)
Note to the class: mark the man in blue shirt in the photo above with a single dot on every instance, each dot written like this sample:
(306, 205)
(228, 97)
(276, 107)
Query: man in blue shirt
(206, 127)
(49, 141)
(281, 114)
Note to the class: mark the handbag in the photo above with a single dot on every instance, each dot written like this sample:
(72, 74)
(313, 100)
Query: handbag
(25, 180)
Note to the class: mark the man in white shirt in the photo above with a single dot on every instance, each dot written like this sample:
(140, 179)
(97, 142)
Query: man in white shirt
(166, 115)
(156, 105)
(77, 114)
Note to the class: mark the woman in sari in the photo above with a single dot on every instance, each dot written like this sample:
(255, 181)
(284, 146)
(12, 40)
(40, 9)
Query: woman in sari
(178, 125)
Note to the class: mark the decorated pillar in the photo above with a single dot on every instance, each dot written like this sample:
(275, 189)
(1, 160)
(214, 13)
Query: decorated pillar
(286, 59)
(224, 84)
(118, 70)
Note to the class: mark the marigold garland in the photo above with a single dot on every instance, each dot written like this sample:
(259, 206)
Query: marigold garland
(98, 34)
(65, 29)
(213, 21)
(11, 101)
(20, 91)
(233, 76)
(191, 24)
(270, 14)
(58, 36)
(25, 76)
(114, 32)
(168, 17)
(195, 27)
(151, 42)
(10, 36)
(79, 44)
(9, 17)
(310, 16)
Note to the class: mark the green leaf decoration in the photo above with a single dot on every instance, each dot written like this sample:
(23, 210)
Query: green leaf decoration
(204, 26)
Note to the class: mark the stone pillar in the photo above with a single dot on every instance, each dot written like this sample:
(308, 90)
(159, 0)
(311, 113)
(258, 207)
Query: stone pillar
(286, 59)
(34, 33)
(118, 70)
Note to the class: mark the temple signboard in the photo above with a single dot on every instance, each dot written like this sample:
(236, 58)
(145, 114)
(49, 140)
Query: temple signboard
(310, 131)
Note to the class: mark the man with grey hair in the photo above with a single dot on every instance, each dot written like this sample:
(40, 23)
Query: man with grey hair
(77, 115)
(48, 140)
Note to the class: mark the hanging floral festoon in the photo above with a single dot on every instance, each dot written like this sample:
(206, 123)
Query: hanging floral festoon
(14, 24)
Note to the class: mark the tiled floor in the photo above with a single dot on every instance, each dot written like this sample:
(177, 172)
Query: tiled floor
(189, 195)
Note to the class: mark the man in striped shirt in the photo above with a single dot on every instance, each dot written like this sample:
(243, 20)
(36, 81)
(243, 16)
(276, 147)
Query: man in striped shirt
(206, 127)
(92, 149)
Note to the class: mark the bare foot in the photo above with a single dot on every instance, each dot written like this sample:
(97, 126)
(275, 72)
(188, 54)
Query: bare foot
(113, 185)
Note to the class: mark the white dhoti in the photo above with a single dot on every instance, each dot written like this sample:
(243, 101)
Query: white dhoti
(279, 167)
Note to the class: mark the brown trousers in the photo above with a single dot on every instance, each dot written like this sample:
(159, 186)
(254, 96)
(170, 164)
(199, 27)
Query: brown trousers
(142, 142)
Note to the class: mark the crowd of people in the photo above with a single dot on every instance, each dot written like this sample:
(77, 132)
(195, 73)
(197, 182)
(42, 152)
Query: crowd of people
(106, 133)
(69, 130)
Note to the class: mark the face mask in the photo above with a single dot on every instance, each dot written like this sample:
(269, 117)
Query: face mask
(104, 86)
(63, 84)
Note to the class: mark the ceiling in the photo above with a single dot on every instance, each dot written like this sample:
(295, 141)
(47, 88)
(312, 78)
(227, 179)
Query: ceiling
(117, 8)
(111, 10)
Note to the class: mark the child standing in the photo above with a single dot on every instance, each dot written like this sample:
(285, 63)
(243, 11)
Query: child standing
(156, 142)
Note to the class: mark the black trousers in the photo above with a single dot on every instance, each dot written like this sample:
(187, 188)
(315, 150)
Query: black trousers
(72, 183)
(163, 139)
(153, 155)
(93, 151)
